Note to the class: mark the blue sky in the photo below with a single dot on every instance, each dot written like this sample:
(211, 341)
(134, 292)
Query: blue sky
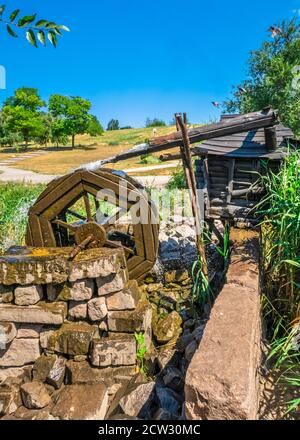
(139, 58)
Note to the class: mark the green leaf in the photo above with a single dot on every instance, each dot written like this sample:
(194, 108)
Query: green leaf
(41, 37)
(31, 37)
(52, 38)
(14, 14)
(2, 9)
(11, 32)
(25, 21)
(41, 23)
(51, 25)
(63, 28)
(57, 31)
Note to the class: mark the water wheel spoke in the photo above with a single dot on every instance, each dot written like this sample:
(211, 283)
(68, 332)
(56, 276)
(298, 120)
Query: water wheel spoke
(65, 225)
(88, 208)
(118, 244)
(75, 214)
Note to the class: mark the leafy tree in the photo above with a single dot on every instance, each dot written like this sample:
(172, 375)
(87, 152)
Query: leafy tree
(58, 133)
(36, 30)
(73, 111)
(155, 122)
(94, 127)
(113, 125)
(27, 98)
(273, 78)
(26, 123)
(22, 116)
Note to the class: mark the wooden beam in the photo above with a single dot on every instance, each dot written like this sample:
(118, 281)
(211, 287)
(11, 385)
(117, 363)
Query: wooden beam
(271, 138)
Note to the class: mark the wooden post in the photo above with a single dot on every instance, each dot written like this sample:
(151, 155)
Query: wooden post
(271, 138)
(192, 186)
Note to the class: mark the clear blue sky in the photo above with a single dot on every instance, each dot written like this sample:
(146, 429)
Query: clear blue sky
(139, 58)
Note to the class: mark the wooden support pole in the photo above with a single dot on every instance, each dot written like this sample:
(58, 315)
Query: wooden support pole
(192, 186)
(271, 138)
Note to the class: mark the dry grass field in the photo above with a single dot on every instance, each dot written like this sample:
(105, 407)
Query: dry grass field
(60, 160)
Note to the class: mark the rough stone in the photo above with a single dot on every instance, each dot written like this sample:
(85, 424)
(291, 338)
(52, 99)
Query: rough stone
(184, 341)
(81, 290)
(97, 309)
(34, 395)
(95, 263)
(82, 372)
(24, 413)
(8, 332)
(82, 402)
(42, 367)
(168, 399)
(10, 399)
(14, 373)
(126, 299)
(58, 292)
(6, 294)
(45, 335)
(135, 400)
(28, 295)
(167, 357)
(77, 310)
(72, 338)
(115, 350)
(20, 352)
(29, 331)
(56, 374)
(222, 379)
(112, 283)
(167, 328)
(173, 379)
(190, 350)
(42, 313)
(138, 320)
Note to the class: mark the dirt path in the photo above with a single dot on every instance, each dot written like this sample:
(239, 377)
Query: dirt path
(8, 174)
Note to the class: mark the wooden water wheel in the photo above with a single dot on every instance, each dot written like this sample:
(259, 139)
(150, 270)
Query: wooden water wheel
(95, 208)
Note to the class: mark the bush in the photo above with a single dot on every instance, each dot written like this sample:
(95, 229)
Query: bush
(177, 180)
(148, 159)
(155, 122)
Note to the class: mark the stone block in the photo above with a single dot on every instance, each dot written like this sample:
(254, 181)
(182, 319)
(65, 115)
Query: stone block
(112, 283)
(29, 331)
(138, 320)
(222, 378)
(45, 335)
(28, 295)
(20, 352)
(97, 309)
(82, 402)
(42, 367)
(115, 350)
(34, 395)
(56, 374)
(8, 332)
(77, 310)
(82, 372)
(126, 299)
(72, 338)
(10, 399)
(94, 263)
(14, 372)
(6, 294)
(42, 313)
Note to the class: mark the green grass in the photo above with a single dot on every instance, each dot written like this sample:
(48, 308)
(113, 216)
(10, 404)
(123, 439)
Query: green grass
(281, 265)
(15, 200)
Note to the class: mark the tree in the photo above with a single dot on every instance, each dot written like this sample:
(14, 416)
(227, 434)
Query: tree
(26, 97)
(113, 125)
(155, 122)
(36, 30)
(273, 78)
(94, 127)
(73, 111)
(22, 115)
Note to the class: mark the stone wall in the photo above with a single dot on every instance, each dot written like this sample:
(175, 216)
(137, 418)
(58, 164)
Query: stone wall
(64, 321)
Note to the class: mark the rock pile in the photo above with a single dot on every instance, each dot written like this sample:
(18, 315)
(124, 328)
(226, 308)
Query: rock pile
(65, 325)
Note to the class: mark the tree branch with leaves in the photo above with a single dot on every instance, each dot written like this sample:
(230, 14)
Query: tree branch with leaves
(36, 30)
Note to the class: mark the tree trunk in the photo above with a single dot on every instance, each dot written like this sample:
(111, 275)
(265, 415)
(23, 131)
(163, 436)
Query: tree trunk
(73, 140)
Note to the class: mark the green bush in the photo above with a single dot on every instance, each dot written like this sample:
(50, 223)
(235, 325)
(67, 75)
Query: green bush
(148, 159)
